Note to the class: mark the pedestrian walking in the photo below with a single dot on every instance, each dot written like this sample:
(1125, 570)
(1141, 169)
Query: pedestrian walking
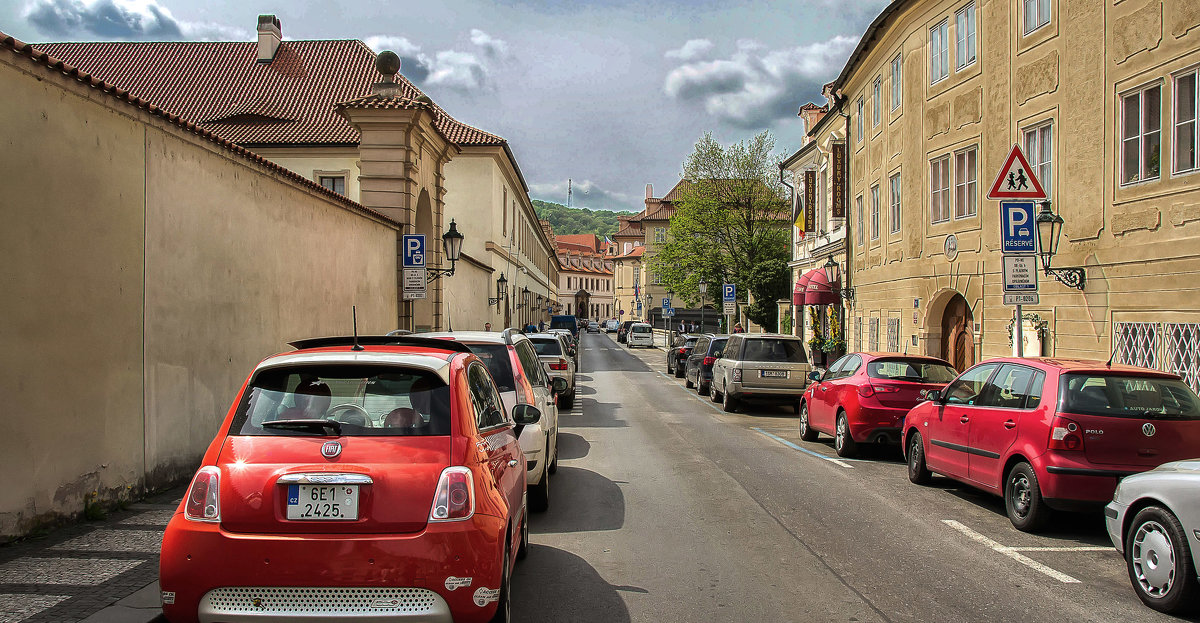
(737, 328)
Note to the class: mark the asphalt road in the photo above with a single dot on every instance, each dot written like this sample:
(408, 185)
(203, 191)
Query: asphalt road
(666, 509)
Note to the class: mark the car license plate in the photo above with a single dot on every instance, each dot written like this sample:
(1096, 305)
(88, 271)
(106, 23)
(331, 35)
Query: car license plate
(322, 502)
(772, 374)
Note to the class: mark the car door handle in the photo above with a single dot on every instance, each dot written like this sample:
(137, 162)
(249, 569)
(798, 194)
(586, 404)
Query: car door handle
(964, 419)
(1010, 424)
(512, 463)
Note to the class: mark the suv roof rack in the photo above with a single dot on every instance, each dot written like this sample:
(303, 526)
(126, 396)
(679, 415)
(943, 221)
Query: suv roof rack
(380, 340)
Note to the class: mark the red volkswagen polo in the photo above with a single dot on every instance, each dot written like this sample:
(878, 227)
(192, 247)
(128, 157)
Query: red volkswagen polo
(863, 397)
(374, 482)
(1051, 433)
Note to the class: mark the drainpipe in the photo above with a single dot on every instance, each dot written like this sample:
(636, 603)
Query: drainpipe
(846, 274)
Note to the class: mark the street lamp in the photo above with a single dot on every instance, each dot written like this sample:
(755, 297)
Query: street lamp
(833, 271)
(501, 290)
(1049, 229)
(452, 242)
(703, 291)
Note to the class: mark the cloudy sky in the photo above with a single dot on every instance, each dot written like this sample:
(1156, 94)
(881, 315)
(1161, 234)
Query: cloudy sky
(612, 94)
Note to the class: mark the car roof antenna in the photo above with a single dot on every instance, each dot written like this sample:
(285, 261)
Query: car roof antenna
(354, 312)
(1116, 345)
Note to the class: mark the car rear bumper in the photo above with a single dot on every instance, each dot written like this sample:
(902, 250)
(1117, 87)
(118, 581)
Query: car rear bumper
(765, 394)
(1067, 484)
(209, 574)
(871, 433)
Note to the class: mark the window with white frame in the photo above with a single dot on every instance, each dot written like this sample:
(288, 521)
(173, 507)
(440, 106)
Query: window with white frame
(660, 234)
(939, 186)
(336, 183)
(939, 51)
(1039, 150)
(1141, 130)
(965, 195)
(1186, 133)
(858, 209)
(1037, 14)
(894, 203)
(893, 335)
(861, 106)
(875, 212)
(876, 88)
(873, 334)
(964, 36)
(897, 81)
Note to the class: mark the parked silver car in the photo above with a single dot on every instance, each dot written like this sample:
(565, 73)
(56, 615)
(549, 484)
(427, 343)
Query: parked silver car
(1154, 521)
(760, 367)
(555, 353)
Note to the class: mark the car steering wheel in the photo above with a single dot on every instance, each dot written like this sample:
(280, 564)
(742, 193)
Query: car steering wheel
(344, 413)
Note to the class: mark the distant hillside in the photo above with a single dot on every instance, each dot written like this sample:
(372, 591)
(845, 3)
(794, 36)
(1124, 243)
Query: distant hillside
(566, 220)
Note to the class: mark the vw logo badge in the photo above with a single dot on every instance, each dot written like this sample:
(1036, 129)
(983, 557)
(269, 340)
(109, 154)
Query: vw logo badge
(1148, 429)
(330, 449)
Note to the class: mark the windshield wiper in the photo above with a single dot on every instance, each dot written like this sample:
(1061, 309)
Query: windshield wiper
(322, 425)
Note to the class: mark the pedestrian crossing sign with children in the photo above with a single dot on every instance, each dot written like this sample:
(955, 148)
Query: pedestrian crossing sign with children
(1016, 179)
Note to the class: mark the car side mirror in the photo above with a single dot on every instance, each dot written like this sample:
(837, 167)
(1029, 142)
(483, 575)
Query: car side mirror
(933, 395)
(559, 385)
(526, 414)
(815, 376)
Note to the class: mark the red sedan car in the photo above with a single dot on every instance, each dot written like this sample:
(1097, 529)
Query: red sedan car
(863, 397)
(1051, 433)
(382, 480)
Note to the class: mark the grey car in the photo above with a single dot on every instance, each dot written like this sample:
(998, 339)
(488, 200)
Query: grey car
(1154, 521)
(760, 367)
(555, 353)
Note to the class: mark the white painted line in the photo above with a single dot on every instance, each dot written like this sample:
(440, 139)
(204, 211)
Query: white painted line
(804, 450)
(1010, 552)
(1081, 548)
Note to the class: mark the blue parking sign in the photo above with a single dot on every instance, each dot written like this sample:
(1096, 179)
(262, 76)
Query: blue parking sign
(413, 250)
(728, 292)
(1018, 232)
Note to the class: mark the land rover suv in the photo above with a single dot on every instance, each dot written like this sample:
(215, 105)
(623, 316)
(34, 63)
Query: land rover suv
(760, 367)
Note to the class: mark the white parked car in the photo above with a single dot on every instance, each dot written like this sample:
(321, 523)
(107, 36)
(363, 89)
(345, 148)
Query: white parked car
(1154, 520)
(611, 325)
(640, 334)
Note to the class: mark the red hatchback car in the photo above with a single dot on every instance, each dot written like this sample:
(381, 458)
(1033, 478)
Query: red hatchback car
(863, 397)
(1051, 433)
(374, 482)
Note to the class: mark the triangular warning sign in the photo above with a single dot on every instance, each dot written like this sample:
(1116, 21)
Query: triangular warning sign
(1016, 179)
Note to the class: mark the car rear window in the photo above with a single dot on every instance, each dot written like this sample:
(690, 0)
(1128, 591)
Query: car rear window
(912, 370)
(717, 348)
(495, 356)
(1128, 396)
(363, 400)
(641, 328)
(768, 349)
(563, 323)
(546, 346)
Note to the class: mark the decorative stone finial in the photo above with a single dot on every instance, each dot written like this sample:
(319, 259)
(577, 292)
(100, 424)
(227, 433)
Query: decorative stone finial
(388, 64)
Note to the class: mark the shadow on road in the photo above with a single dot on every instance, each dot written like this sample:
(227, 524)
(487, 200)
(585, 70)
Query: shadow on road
(572, 446)
(1074, 528)
(556, 585)
(597, 415)
(581, 501)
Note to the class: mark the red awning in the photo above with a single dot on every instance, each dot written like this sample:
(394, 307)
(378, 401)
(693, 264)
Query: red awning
(800, 289)
(818, 290)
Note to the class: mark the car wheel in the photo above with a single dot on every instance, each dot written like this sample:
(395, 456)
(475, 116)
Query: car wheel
(807, 433)
(1023, 499)
(678, 371)
(670, 370)
(843, 442)
(539, 494)
(713, 394)
(504, 603)
(918, 473)
(728, 403)
(1159, 563)
(523, 548)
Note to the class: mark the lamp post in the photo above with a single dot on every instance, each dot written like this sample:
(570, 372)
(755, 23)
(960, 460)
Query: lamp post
(1049, 230)
(833, 271)
(452, 242)
(703, 290)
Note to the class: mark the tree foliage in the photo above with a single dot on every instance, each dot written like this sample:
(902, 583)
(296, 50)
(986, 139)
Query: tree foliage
(730, 225)
(566, 220)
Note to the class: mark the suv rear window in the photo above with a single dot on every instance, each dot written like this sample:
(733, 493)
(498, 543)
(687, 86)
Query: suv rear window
(770, 349)
(912, 370)
(363, 400)
(1128, 396)
(546, 346)
(559, 322)
(641, 328)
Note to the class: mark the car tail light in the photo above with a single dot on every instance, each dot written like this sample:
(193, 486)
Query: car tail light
(737, 375)
(454, 499)
(203, 497)
(868, 390)
(708, 361)
(561, 365)
(1064, 435)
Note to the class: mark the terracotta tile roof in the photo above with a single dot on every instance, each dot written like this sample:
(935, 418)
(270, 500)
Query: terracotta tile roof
(591, 242)
(39, 56)
(629, 231)
(223, 87)
(633, 253)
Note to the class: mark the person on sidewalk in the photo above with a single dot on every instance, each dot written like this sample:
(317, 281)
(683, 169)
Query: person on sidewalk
(737, 328)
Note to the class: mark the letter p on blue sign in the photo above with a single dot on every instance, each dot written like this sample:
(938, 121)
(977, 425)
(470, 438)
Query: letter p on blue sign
(1018, 233)
(413, 249)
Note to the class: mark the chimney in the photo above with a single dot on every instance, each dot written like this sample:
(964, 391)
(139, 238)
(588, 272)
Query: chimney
(269, 36)
(649, 191)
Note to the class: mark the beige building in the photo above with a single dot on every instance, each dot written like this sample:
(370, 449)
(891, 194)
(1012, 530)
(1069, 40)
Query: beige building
(1102, 98)
(585, 282)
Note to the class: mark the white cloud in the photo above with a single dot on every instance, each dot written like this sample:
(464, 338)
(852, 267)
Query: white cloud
(755, 86)
(461, 71)
(692, 49)
(492, 47)
(586, 194)
(121, 19)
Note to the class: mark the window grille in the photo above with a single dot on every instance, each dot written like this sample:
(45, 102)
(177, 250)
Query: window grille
(893, 335)
(873, 333)
(1182, 351)
(1169, 346)
(1138, 343)
(858, 341)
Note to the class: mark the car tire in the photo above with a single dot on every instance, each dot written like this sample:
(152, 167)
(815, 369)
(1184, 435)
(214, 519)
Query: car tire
(703, 389)
(523, 547)
(678, 371)
(1159, 563)
(553, 467)
(539, 494)
(566, 401)
(1023, 499)
(918, 473)
(729, 404)
(807, 433)
(504, 604)
(843, 441)
(688, 383)
(713, 394)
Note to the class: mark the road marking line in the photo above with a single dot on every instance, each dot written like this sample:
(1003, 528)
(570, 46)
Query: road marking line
(1010, 552)
(804, 450)
(1088, 548)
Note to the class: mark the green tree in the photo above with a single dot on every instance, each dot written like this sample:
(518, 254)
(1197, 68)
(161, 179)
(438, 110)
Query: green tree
(730, 224)
(566, 220)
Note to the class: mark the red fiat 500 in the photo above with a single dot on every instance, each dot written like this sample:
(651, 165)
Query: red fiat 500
(1051, 433)
(863, 397)
(382, 481)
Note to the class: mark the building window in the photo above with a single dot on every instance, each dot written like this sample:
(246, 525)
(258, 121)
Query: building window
(861, 106)
(1186, 134)
(964, 35)
(939, 184)
(897, 78)
(964, 183)
(858, 208)
(1170, 346)
(1037, 14)
(336, 183)
(939, 51)
(893, 335)
(894, 204)
(1141, 128)
(876, 88)
(873, 334)
(660, 234)
(875, 212)
(1039, 145)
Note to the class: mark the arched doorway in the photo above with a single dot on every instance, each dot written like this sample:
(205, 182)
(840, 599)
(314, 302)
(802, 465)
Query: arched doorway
(424, 310)
(582, 305)
(958, 336)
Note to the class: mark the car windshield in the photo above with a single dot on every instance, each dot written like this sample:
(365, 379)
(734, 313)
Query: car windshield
(912, 370)
(641, 328)
(1127, 396)
(495, 356)
(546, 346)
(774, 349)
(362, 400)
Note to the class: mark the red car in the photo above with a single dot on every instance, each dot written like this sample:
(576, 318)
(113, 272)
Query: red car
(1051, 433)
(863, 397)
(381, 479)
